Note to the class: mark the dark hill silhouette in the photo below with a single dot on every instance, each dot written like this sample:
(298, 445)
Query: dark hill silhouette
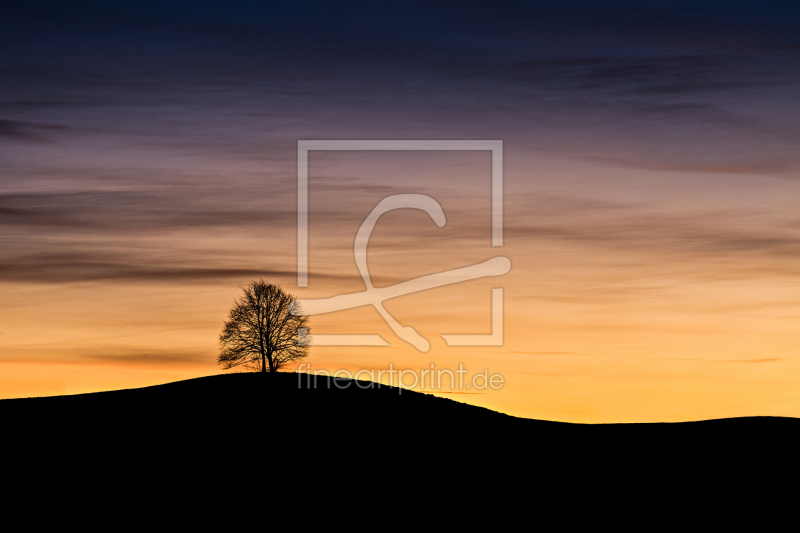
(256, 406)
(256, 428)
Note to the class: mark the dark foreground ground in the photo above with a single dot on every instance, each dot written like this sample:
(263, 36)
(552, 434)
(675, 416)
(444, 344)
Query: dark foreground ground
(276, 432)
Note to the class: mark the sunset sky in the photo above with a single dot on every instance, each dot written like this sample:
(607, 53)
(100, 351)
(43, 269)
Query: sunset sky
(148, 171)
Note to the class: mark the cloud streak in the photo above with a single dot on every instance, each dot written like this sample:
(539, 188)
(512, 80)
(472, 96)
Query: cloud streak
(18, 130)
(754, 239)
(136, 211)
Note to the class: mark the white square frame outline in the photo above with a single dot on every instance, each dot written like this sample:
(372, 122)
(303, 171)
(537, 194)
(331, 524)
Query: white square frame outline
(494, 146)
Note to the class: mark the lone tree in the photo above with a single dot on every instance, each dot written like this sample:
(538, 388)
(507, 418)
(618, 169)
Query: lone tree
(263, 331)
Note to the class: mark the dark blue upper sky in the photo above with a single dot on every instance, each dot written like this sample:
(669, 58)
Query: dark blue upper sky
(618, 80)
(644, 45)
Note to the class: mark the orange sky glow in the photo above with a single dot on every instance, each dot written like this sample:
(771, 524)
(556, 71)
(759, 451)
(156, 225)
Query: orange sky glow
(633, 295)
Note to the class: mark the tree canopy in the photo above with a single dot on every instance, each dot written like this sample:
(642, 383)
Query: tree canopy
(265, 330)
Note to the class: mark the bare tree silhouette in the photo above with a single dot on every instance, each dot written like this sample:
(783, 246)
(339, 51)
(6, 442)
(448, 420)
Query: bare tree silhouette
(265, 330)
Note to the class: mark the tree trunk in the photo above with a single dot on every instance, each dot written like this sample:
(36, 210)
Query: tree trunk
(263, 362)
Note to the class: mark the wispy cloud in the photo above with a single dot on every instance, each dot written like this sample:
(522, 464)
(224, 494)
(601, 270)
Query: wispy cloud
(136, 211)
(18, 130)
(728, 361)
(759, 242)
(60, 268)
